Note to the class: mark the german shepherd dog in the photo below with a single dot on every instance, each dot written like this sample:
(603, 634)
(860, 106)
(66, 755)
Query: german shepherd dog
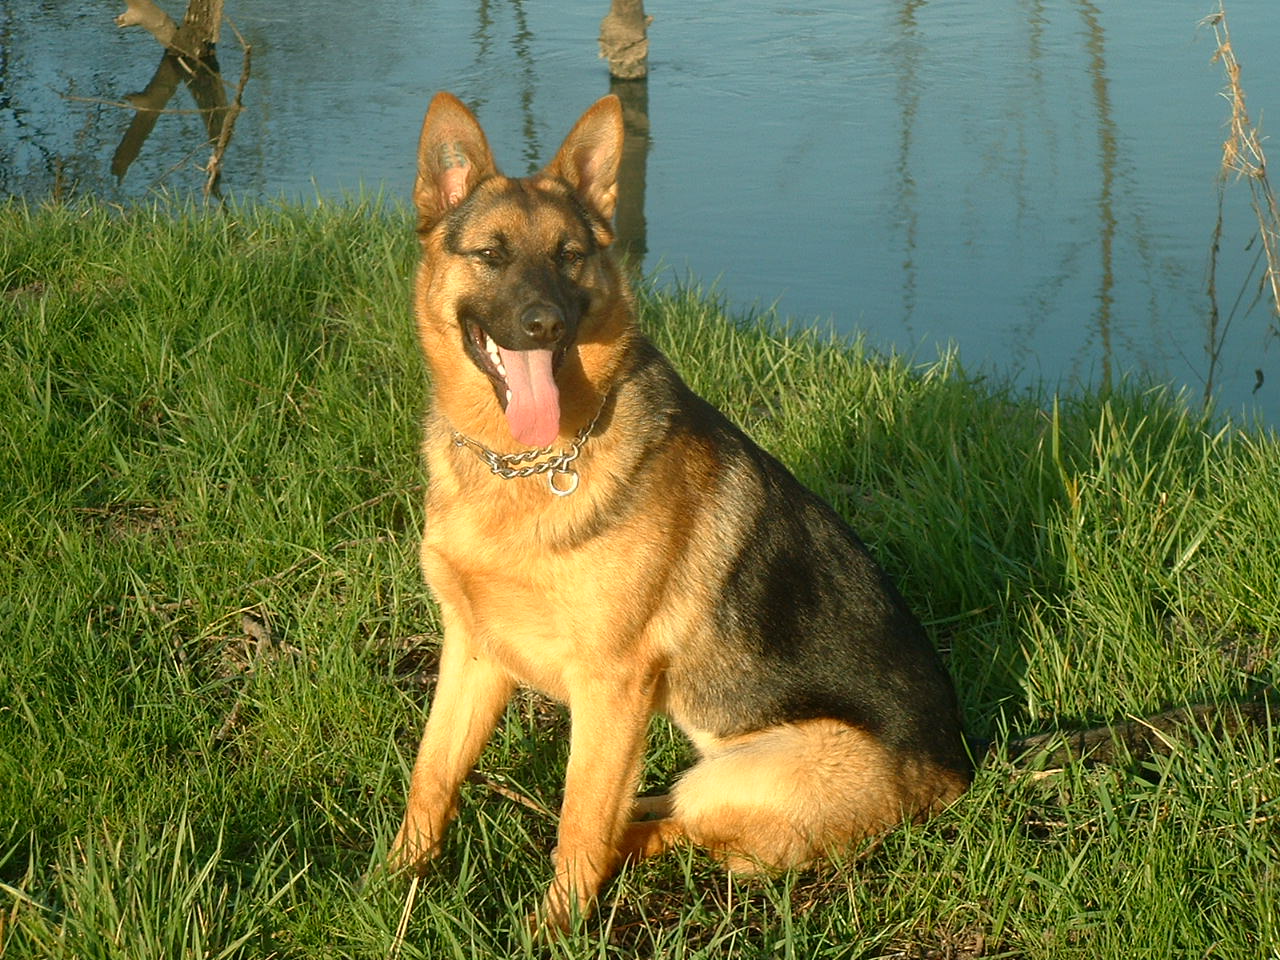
(597, 531)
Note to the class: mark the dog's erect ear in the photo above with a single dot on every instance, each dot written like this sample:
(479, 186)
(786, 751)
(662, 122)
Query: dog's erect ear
(453, 156)
(590, 155)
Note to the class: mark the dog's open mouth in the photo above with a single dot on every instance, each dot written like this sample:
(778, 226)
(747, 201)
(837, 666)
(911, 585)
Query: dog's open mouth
(525, 383)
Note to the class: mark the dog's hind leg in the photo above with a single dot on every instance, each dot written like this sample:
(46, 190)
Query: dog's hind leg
(652, 829)
(649, 838)
(791, 794)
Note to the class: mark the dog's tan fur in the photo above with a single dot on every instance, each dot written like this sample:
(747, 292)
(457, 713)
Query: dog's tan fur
(612, 599)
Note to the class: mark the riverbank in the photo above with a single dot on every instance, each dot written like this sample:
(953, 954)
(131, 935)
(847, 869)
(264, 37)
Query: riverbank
(218, 652)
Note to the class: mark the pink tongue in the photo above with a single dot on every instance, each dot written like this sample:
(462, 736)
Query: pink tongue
(533, 412)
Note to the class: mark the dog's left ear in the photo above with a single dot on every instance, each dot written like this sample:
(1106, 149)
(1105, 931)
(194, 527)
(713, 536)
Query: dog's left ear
(588, 159)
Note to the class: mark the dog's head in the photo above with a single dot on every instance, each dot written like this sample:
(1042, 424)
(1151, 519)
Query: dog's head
(515, 267)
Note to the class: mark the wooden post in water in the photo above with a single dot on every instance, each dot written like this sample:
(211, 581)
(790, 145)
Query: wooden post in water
(198, 35)
(624, 39)
(190, 56)
(628, 220)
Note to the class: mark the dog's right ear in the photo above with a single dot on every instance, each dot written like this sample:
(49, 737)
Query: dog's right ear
(453, 156)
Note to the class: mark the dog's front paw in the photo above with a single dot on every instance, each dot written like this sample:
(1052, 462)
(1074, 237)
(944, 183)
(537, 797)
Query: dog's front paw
(412, 849)
(555, 916)
(562, 908)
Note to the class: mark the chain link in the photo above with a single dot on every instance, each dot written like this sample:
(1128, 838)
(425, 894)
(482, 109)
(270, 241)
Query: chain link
(510, 466)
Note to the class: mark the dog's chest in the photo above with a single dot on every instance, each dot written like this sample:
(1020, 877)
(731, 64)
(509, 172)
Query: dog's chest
(541, 611)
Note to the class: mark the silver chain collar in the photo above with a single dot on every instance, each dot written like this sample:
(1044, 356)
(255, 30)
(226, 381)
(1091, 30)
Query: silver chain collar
(509, 466)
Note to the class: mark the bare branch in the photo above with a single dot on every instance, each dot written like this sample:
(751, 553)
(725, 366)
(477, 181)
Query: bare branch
(195, 38)
(214, 167)
(145, 14)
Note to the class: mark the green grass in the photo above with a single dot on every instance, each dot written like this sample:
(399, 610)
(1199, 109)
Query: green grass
(205, 416)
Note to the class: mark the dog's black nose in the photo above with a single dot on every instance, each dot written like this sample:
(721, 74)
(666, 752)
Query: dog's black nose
(543, 322)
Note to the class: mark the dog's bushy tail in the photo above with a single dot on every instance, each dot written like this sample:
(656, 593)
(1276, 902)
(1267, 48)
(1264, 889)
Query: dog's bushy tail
(1138, 739)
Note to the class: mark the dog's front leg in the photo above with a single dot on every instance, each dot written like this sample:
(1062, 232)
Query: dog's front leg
(471, 693)
(609, 718)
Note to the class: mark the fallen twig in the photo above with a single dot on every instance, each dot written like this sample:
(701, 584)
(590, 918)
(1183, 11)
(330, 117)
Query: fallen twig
(515, 796)
(260, 631)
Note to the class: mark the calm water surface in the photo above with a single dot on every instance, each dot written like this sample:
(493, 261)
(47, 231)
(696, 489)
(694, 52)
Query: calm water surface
(1034, 182)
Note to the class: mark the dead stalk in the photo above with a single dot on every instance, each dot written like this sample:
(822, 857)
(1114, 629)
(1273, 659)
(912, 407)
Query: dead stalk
(1242, 156)
(214, 168)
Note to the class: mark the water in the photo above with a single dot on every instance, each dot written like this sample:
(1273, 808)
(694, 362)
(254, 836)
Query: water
(1034, 182)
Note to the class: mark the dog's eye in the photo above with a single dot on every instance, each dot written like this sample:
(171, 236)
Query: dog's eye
(490, 256)
(570, 256)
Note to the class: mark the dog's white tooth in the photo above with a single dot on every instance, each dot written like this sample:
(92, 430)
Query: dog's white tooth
(491, 348)
(508, 396)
